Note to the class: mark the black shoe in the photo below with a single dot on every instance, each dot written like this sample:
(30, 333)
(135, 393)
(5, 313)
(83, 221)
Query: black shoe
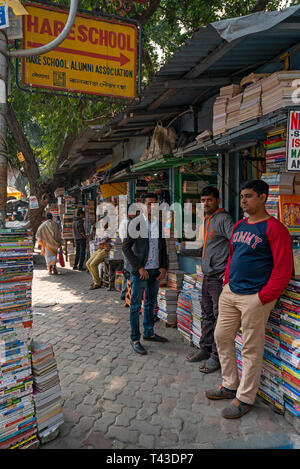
(75, 268)
(138, 348)
(156, 338)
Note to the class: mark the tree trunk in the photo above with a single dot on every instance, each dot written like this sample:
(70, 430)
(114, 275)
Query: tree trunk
(31, 170)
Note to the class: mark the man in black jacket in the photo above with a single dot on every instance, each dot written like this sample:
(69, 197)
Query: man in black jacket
(80, 239)
(146, 259)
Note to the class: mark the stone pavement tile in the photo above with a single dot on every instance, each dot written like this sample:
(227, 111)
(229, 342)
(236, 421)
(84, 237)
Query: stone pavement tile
(112, 396)
(123, 434)
(125, 417)
(98, 441)
(107, 419)
(147, 441)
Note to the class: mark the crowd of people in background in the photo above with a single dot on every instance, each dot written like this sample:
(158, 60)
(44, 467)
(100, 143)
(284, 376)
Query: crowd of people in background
(246, 266)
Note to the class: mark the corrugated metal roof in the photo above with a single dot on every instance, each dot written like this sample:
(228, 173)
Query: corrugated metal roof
(204, 56)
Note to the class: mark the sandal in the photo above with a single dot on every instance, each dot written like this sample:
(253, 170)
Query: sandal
(235, 412)
(197, 356)
(210, 366)
(94, 287)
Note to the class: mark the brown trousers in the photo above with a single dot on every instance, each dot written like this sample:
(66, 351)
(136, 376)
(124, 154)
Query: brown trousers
(247, 312)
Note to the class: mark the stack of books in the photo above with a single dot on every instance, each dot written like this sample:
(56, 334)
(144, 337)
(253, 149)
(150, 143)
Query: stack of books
(251, 103)
(219, 115)
(171, 243)
(270, 382)
(290, 347)
(190, 187)
(252, 78)
(184, 315)
(189, 281)
(275, 150)
(17, 415)
(90, 217)
(233, 111)
(230, 90)
(196, 296)
(68, 217)
(116, 250)
(205, 136)
(167, 305)
(278, 89)
(272, 179)
(175, 279)
(47, 392)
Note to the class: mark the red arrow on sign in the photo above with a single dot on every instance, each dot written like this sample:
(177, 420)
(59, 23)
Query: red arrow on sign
(122, 59)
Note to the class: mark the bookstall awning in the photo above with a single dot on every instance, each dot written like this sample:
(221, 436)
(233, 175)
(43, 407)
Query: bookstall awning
(166, 162)
(109, 190)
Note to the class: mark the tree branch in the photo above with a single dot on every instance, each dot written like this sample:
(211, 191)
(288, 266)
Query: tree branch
(147, 12)
(260, 5)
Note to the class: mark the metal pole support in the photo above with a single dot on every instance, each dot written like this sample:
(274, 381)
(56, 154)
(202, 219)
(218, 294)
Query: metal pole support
(3, 144)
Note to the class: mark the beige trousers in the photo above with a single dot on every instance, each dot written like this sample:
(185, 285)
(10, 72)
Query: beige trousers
(93, 266)
(247, 312)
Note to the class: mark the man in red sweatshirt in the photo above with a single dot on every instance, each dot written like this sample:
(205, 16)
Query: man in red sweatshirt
(259, 267)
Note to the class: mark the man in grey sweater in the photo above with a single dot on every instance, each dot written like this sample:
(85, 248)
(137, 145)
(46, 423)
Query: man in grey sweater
(218, 226)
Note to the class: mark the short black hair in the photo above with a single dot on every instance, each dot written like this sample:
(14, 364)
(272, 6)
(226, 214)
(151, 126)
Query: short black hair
(257, 185)
(49, 216)
(79, 212)
(208, 190)
(150, 195)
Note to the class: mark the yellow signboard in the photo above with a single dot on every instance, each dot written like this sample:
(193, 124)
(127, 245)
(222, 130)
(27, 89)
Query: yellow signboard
(98, 56)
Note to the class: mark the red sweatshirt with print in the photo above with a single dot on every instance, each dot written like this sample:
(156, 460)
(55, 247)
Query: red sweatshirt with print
(260, 259)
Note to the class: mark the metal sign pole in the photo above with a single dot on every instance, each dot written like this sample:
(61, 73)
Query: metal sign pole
(3, 145)
(4, 53)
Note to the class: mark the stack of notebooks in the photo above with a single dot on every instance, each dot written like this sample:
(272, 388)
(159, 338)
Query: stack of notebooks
(90, 217)
(196, 296)
(184, 314)
(219, 115)
(273, 180)
(47, 392)
(275, 150)
(167, 305)
(189, 281)
(278, 89)
(270, 382)
(230, 90)
(251, 103)
(205, 136)
(175, 279)
(172, 254)
(68, 217)
(233, 111)
(252, 78)
(17, 416)
(116, 250)
(190, 187)
(171, 241)
(290, 347)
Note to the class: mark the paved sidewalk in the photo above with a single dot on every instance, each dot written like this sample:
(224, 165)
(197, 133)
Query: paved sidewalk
(114, 398)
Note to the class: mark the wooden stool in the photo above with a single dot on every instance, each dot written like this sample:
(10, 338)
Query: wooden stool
(109, 272)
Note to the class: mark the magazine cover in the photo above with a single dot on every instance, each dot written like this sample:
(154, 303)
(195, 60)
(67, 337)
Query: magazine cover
(289, 211)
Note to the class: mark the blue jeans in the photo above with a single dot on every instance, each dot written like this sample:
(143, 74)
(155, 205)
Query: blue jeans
(138, 286)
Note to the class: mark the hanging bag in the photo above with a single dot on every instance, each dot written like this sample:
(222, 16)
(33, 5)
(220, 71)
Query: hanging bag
(61, 258)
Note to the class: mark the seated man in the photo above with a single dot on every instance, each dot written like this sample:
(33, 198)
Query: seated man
(97, 258)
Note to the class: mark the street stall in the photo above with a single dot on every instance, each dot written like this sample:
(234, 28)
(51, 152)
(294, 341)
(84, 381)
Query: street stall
(229, 90)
